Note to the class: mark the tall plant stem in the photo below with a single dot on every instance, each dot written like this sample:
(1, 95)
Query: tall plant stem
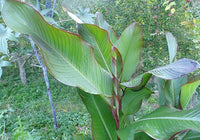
(116, 96)
(38, 5)
(53, 9)
(46, 81)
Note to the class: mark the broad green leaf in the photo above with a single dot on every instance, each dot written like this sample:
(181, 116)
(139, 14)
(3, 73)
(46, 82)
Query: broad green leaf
(192, 135)
(129, 45)
(68, 58)
(163, 123)
(99, 39)
(168, 72)
(100, 21)
(177, 69)
(161, 89)
(82, 137)
(172, 46)
(103, 123)
(188, 90)
(177, 83)
(132, 100)
(142, 136)
(125, 120)
(169, 91)
(138, 82)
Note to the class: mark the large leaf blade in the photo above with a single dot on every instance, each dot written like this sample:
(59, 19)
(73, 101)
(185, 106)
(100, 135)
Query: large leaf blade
(142, 136)
(99, 39)
(168, 72)
(132, 100)
(129, 45)
(67, 57)
(163, 123)
(177, 69)
(192, 135)
(103, 123)
(172, 46)
(169, 91)
(188, 90)
(100, 21)
(138, 82)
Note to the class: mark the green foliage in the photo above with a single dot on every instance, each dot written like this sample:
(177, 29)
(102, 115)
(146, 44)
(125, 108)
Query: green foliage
(177, 92)
(188, 90)
(64, 56)
(99, 63)
(101, 49)
(155, 21)
(3, 63)
(82, 137)
(129, 45)
(172, 46)
(19, 133)
(31, 104)
(132, 100)
(102, 127)
(162, 119)
(5, 35)
(192, 135)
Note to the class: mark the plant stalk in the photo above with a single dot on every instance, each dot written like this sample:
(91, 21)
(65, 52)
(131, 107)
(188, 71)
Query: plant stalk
(46, 82)
(117, 106)
(53, 9)
(38, 5)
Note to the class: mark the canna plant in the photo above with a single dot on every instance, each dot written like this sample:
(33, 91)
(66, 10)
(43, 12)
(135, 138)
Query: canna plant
(177, 92)
(102, 66)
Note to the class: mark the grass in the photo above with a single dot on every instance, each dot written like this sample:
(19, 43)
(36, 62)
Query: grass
(25, 110)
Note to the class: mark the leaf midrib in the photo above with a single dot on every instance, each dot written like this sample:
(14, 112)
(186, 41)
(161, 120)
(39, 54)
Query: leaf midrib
(66, 60)
(98, 48)
(170, 118)
(102, 118)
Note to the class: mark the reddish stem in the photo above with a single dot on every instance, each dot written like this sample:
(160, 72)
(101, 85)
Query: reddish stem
(119, 101)
(115, 117)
